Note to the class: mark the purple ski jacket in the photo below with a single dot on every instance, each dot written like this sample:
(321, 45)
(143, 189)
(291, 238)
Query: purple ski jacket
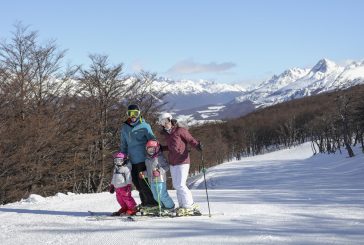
(177, 140)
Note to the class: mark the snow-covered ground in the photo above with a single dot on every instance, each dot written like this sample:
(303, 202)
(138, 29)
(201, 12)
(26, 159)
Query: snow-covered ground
(284, 197)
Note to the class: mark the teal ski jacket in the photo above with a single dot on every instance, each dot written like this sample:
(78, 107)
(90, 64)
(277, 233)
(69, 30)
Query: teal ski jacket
(134, 137)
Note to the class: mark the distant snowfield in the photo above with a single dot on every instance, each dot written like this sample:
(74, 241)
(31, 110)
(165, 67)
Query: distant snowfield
(284, 197)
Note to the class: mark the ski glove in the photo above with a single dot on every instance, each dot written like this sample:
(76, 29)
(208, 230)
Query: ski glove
(199, 147)
(164, 148)
(156, 173)
(141, 175)
(111, 189)
(126, 161)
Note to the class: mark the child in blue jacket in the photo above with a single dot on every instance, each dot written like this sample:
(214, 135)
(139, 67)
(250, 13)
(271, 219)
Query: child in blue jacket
(157, 166)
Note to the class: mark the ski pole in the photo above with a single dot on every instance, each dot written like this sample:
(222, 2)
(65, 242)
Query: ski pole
(159, 203)
(204, 177)
(146, 182)
(158, 194)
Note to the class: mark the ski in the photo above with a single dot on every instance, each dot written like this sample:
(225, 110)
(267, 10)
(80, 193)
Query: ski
(99, 216)
(107, 216)
(145, 217)
(196, 215)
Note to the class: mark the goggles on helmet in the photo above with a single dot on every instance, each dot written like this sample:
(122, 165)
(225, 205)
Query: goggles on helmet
(133, 113)
(118, 162)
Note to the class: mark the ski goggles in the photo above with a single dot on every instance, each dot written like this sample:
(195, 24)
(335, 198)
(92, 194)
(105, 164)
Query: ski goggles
(118, 162)
(133, 113)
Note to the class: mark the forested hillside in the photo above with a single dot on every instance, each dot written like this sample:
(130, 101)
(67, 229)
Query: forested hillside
(333, 122)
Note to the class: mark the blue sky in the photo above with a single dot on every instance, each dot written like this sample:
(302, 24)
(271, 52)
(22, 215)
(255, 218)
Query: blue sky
(225, 41)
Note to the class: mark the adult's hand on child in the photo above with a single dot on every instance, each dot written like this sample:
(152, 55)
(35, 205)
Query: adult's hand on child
(156, 173)
(112, 189)
(199, 147)
(141, 175)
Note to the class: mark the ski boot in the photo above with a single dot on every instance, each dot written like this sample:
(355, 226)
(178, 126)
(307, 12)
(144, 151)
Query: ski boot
(151, 210)
(131, 212)
(191, 211)
(120, 212)
(168, 212)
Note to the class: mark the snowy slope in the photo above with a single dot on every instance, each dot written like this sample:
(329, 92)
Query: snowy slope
(285, 197)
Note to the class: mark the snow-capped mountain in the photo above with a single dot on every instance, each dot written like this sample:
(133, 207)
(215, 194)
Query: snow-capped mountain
(186, 94)
(188, 87)
(275, 83)
(293, 83)
(296, 83)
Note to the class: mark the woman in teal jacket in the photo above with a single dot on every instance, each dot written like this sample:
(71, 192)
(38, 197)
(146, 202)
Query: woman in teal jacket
(135, 133)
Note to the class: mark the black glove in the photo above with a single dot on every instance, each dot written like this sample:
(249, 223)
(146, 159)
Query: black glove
(112, 189)
(164, 147)
(199, 147)
(126, 161)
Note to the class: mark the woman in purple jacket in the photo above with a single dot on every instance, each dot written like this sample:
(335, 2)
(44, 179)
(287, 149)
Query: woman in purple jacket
(177, 139)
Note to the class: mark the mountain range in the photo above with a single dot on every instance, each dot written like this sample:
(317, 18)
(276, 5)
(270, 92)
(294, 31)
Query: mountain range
(198, 101)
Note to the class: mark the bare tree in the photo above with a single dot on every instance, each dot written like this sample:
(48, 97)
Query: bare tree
(103, 86)
(30, 80)
(18, 69)
(143, 93)
(344, 104)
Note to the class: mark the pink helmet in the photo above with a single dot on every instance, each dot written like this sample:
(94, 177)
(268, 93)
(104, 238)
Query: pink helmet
(152, 144)
(119, 155)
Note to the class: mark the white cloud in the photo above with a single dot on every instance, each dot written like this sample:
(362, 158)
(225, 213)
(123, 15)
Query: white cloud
(137, 66)
(348, 62)
(190, 67)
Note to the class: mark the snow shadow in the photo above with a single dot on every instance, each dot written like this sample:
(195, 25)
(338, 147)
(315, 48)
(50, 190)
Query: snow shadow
(282, 196)
(59, 228)
(44, 212)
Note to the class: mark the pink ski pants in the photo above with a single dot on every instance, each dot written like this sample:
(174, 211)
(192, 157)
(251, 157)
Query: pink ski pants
(123, 195)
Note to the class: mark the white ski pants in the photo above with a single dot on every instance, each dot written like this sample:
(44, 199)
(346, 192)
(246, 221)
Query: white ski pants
(179, 175)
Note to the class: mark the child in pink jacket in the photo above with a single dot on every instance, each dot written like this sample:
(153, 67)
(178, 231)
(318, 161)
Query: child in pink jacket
(121, 183)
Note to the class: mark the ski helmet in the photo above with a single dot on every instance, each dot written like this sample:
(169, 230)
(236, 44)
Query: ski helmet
(119, 159)
(163, 117)
(119, 155)
(133, 107)
(152, 147)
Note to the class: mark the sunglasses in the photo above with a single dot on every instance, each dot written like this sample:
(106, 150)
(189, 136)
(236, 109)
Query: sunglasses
(133, 113)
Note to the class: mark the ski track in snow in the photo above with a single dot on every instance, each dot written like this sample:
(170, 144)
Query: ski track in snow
(284, 197)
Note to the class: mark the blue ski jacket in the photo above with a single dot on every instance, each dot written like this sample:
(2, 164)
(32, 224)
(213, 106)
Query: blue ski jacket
(133, 139)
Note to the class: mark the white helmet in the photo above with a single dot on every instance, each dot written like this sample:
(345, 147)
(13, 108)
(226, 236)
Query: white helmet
(163, 117)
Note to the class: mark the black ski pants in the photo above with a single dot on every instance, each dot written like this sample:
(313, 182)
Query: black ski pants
(145, 193)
